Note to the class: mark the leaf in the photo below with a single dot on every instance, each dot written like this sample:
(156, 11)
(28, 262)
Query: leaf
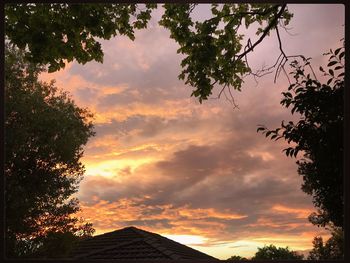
(287, 94)
(295, 153)
(331, 72)
(260, 129)
(341, 74)
(291, 152)
(298, 90)
(332, 63)
(337, 51)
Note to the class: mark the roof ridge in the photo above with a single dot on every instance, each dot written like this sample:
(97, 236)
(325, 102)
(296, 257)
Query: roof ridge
(142, 232)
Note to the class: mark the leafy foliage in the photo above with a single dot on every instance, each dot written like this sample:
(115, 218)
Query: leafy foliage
(272, 252)
(52, 33)
(332, 249)
(232, 258)
(213, 48)
(44, 135)
(318, 135)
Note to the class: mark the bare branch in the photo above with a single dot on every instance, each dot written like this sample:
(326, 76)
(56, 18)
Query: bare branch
(233, 100)
(266, 31)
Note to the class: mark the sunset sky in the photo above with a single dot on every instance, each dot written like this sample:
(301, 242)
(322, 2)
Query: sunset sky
(196, 173)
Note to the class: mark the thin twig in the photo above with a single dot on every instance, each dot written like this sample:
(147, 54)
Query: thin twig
(265, 32)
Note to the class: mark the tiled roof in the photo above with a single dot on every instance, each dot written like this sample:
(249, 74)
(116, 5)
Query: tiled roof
(134, 243)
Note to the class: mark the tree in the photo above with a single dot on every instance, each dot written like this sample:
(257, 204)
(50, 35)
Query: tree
(272, 252)
(214, 50)
(52, 33)
(44, 135)
(236, 258)
(332, 249)
(318, 135)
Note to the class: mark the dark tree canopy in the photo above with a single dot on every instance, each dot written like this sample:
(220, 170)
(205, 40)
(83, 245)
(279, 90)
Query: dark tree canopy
(318, 135)
(333, 248)
(214, 49)
(52, 33)
(235, 258)
(272, 252)
(44, 135)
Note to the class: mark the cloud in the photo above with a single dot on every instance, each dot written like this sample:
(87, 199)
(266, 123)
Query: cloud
(164, 162)
(232, 170)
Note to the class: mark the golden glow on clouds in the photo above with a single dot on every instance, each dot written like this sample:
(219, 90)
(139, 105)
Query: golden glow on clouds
(266, 156)
(169, 109)
(301, 213)
(110, 168)
(205, 229)
(187, 239)
(267, 222)
(207, 213)
(204, 235)
(133, 209)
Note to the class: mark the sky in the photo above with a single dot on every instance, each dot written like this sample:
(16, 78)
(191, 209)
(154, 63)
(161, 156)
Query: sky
(199, 174)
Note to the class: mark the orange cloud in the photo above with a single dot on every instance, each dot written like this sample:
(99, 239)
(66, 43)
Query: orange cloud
(300, 212)
(191, 226)
(185, 220)
(268, 222)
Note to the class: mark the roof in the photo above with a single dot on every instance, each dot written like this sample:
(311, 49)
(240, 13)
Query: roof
(134, 243)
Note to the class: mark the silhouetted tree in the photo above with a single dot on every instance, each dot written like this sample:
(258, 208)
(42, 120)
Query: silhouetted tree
(332, 249)
(318, 135)
(232, 258)
(272, 252)
(44, 135)
(53, 33)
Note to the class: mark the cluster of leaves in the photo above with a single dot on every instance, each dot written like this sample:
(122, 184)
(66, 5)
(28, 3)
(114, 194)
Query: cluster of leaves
(52, 33)
(213, 48)
(272, 252)
(236, 258)
(332, 249)
(44, 135)
(318, 135)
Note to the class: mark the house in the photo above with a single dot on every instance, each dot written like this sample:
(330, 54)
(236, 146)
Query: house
(135, 244)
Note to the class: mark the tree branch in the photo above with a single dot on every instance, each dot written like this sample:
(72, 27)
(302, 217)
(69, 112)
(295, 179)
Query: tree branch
(266, 31)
